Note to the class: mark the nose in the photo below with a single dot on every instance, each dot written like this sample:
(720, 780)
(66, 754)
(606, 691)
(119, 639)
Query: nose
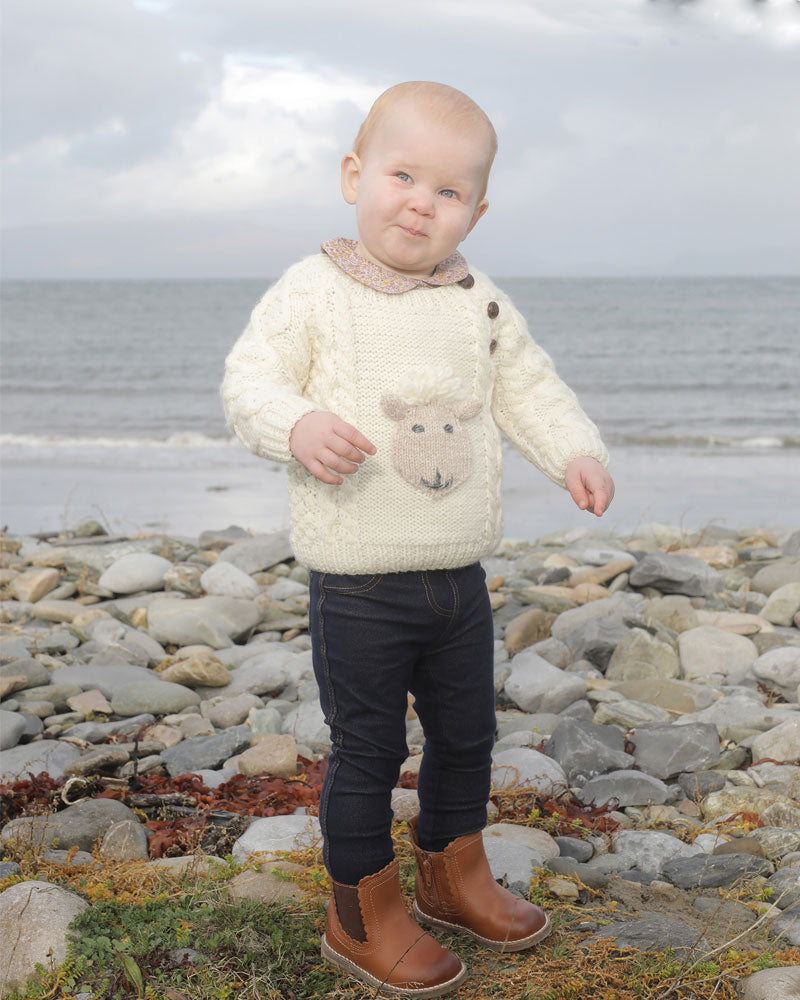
(421, 201)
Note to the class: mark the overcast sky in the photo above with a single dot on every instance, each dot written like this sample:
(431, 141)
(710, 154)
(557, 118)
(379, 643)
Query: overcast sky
(197, 138)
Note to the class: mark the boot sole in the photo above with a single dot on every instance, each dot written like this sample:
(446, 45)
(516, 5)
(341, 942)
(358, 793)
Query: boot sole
(386, 989)
(519, 945)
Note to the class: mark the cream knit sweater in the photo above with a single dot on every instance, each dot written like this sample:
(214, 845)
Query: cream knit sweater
(431, 376)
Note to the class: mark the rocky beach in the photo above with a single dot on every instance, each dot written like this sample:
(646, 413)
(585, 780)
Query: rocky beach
(646, 787)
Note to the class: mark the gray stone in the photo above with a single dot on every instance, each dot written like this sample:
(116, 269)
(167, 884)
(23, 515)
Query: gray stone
(96, 732)
(27, 759)
(697, 784)
(629, 714)
(26, 667)
(593, 630)
(55, 693)
(35, 917)
(772, 984)
(307, 724)
(262, 674)
(273, 834)
(234, 711)
(554, 651)
(125, 840)
(611, 864)
(134, 572)
(592, 877)
(665, 751)
(640, 654)
(672, 695)
(776, 842)
(537, 686)
(655, 933)
(78, 825)
(780, 669)
(674, 612)
(106, 679)
(213, 621)
(713, 656)
(585, 750)
(777, 574)
(707, 871)
(537, 840)
(523, 767)
(787, 926)
(738, 716)
(158, 697)
(786, 885)
(512, 862)
(781, 743)
(629, 788)
(12, 726)
(259, 552)
(206, 751)
(652, 849)
(537, 723)
(100, 557)
(783, 605)
(674, 574)
(227, 580)
(572, 847)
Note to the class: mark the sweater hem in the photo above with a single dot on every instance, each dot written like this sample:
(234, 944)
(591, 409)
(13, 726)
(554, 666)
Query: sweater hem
(349, 557)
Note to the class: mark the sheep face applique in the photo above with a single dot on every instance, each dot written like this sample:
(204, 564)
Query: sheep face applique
(431, 448)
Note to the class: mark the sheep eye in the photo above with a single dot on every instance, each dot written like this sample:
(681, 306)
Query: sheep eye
(448, 428)
(417, 428)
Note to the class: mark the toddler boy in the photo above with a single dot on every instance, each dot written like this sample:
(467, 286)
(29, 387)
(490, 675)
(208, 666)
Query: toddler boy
(382, 371)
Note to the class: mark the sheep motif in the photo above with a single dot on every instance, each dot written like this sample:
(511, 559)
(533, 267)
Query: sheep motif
(431, 448)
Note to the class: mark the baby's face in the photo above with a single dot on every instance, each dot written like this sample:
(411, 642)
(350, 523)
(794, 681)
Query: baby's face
(416, 189)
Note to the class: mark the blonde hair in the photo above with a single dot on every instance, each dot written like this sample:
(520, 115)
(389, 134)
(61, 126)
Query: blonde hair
(442, 104)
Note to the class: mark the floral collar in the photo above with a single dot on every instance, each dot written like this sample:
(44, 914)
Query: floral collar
(343, 252)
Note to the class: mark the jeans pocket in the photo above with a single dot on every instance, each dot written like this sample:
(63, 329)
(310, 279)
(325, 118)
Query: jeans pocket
(349, 583)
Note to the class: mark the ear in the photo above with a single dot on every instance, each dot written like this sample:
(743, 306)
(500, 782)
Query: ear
(469, 408)
(480, 209)
(393, 407)
(351, 174)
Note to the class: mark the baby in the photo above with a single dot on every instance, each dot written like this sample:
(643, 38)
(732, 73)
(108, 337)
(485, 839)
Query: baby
(382, 372)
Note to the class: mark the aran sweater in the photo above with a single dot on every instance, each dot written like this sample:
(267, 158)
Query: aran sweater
(431, 377)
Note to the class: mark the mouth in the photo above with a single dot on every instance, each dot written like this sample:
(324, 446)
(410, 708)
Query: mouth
(438, 483)
(413, 232)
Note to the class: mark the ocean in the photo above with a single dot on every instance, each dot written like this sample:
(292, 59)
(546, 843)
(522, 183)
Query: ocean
(110, 407)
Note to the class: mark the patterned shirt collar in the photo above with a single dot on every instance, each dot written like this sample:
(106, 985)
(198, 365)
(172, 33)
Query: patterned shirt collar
(343, 252)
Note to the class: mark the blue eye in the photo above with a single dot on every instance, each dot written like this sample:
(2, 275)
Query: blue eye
(402, 176)
(448, 193)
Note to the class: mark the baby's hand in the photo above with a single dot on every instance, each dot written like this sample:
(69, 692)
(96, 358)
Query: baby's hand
(321, 441)
(589, 484)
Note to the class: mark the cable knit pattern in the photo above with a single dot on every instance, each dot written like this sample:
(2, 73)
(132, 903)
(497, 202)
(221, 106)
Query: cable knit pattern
(322, 340)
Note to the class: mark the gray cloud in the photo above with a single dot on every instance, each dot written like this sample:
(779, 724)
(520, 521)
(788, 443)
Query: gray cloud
(197, 137)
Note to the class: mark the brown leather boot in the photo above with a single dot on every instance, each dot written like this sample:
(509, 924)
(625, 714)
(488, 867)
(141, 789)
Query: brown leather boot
(370, 934)
(455, 889)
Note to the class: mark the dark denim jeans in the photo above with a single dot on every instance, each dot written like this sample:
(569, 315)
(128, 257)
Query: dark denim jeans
(375, 638)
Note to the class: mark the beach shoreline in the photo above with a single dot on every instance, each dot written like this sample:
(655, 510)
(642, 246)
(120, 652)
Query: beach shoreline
(189, 489)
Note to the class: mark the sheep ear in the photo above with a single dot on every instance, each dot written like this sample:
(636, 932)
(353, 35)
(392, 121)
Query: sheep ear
(393, 406)
(469, 408)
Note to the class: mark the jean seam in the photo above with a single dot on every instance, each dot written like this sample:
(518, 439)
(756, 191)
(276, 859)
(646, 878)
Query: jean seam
(363, 588)
(336, 735)
(454, 615)
(429, 597)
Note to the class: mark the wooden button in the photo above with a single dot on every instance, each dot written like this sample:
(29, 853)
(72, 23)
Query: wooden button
(492, 346)
(493, 309)
(467, 282)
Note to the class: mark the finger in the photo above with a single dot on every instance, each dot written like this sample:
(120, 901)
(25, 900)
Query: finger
(336, 462)
(579, 495)
(318, 470)
(600, 501)
(354, 436)
(341, 446)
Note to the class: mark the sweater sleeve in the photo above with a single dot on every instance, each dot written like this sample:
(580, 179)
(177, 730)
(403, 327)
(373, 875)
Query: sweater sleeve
(267, 369)
(533, 407)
